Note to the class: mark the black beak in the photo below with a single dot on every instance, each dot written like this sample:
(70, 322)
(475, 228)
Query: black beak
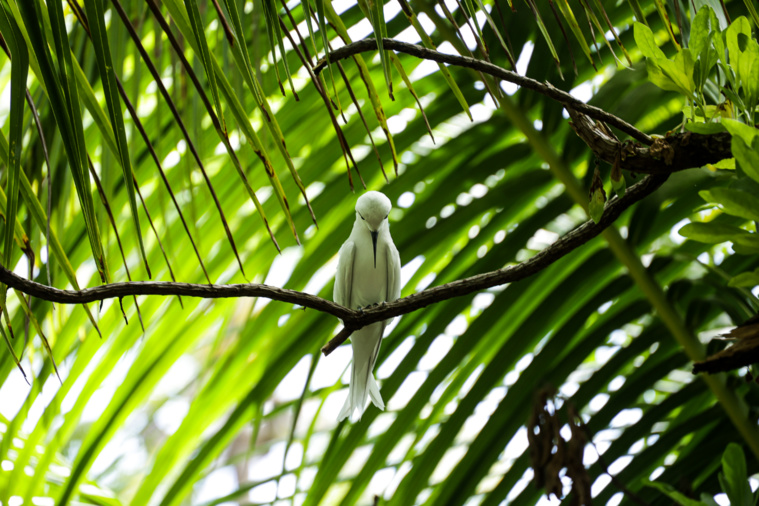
(374, 246)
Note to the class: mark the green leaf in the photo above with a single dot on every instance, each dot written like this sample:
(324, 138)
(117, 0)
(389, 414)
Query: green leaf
(618, 183)
(748, 157)
(38, 215)
(707, 59)
(748, 71)
(737, 36)
(8, 343)
(680, 70)
(471, 13)
(179, 17)
(705, 128)
(742, 130)
(377, 10)
(664, 80)
(497, 32)
(19, 71)
(672, 493)
(397, 64)
(704, 24)
(198, 29)
(735, 480)
(734, 97)
(718, 40)
(644, 39)
(703, 29)
(751, 7)
(64, 100)
(276, 40)
(321, 8)
(727, 164)
(30, 315)
(596, 204)
(242, 59)
(734, 202)
(427, 42)
(745, 280)
(593, 21)
(240, 51)
(108, 77)
(745, 250)
(661, 9)
(546, 35)
(309, 16)
(747, 240)
(610, 27)
(379, 111)
(710, 232)
(566, 11)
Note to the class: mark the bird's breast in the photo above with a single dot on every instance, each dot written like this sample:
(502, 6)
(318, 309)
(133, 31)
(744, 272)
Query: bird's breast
(369, 283)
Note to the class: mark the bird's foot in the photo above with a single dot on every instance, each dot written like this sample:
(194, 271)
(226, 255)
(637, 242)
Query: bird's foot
(360, 309)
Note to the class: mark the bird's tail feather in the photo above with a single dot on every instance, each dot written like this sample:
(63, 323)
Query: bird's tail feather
(357, 393)
(347, 409)
(374, 393)
(363, 385)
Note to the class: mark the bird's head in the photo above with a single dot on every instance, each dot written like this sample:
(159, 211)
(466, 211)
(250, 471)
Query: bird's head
(372, 209)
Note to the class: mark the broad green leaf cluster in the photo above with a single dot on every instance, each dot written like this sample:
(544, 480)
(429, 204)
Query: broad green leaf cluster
(725, 61)
(720, 65)
(735, 201)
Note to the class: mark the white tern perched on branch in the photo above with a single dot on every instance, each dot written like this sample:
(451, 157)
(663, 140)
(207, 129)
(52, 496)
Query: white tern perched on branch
(368, 273)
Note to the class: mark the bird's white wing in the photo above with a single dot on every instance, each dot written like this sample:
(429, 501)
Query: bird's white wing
(393, 273)
(344, 276)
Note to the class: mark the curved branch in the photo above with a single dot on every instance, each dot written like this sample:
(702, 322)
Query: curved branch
(119, 290)
(494, 70)
(352, 320)
(668, 154)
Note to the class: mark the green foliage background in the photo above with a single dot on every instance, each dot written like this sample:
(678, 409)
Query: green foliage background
(460, 375)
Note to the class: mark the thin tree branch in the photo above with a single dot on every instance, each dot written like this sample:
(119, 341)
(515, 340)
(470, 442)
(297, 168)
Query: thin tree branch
(352, 320)
(463, 61)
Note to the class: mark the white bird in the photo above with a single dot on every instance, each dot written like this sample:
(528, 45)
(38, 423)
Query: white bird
(368, 273)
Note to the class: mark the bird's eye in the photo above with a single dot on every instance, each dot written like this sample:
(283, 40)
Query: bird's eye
(361, 216)
(386, 216)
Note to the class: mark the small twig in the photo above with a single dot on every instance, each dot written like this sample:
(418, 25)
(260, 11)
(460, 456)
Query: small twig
(506, 75)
